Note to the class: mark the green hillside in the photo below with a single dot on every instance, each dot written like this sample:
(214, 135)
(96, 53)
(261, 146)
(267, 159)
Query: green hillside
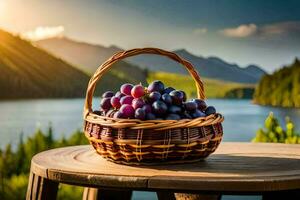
(213, 88)
(282, 88)
(29, 72)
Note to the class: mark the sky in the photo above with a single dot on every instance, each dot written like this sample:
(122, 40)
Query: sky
(266, 33)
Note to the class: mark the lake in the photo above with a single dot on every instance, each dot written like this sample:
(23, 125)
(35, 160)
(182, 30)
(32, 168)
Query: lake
(242, 119)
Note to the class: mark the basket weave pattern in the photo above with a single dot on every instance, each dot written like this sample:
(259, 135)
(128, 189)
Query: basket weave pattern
(132, 141)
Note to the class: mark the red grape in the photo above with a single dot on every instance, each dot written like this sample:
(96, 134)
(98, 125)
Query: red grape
(137, 91)
(118, 114)
(115, 102)
(119, 94)
(126, 88)
(137, 103)
(127, 111)
(126, 100)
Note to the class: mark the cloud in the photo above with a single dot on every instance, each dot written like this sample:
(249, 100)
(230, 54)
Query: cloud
(200, 31)
(43, 32)
(244, 30)
(291, 28)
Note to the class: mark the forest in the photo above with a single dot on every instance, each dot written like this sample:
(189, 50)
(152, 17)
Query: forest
(282, 88)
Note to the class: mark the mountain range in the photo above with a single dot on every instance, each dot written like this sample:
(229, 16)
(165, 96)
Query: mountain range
(89, 56)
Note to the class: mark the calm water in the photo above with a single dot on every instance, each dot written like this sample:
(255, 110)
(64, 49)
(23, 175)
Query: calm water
(242, 119)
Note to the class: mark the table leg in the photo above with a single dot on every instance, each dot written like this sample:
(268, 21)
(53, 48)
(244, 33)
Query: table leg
(40, 188)
(106, 194)
(164, 195)
(292, 194)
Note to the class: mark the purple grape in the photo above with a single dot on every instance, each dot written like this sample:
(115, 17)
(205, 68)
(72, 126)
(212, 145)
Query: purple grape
(154, 96)
(118, 114)
(127, 111)
(167, 98)
(197, 113)
(105, 103)
(150, 116)
(119, 95)
(126, 88)
(201, 105)
(168, 90)
(173, 117)
(137, 91)
(107, 94)
(159, 108)
(140, 114)
(147, 108)
(137, 103)
(210, 110)
(157, 86)
(177, 97)
(126, 100)
(186, 115)
(184, 95)
(174, 109)
(115, 102)
(190, 105)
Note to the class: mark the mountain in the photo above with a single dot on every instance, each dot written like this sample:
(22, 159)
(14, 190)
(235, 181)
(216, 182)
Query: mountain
(211, 67)
(30, 72)
(89, 57)
(282, 88)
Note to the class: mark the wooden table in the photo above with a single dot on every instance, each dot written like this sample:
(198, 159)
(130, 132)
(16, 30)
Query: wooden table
(272, 170)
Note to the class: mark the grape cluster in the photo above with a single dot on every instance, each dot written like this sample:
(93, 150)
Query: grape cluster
(152, 103)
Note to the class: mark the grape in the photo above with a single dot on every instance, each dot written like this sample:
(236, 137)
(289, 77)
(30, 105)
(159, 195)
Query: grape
(115, 102)
(184, 95)
(200, 104)
(190, 106)
(137, 91)
(174, 109)
(147, 108)
(173, 117)
(166, 98)
(197, 113)
(154, 96)
(127, 111)
(177, 97)
(210, 110)
(119, 94)
(150, 116)
(126, 88)
(137, 103)
(186, 115)
(126, 100)
(107, 94)
(140, 114)
(157, 86)
(118, 114)
(168, 90)
(159, 108)
(105, 103)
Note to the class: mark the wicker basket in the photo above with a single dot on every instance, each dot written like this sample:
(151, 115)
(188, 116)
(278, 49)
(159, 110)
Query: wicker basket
(132, 141)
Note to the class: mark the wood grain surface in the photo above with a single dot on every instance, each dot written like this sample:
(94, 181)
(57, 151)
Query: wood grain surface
(244, 167)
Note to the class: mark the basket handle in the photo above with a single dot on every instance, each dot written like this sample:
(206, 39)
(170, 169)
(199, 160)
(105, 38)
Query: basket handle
(124, 54)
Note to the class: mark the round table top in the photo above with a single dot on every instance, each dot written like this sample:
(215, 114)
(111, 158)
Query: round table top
(248, 167)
